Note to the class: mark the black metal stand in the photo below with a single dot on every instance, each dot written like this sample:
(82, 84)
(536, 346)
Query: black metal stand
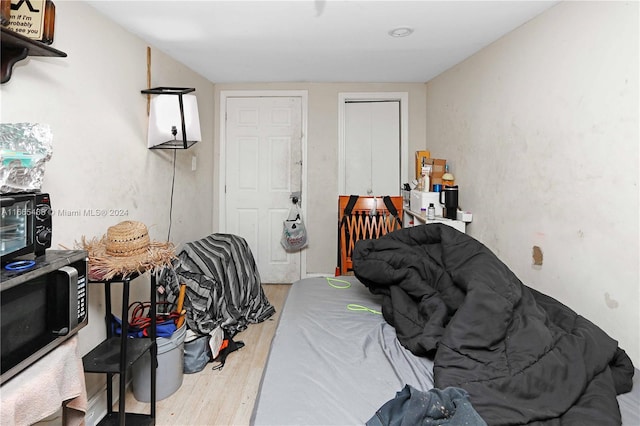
(117, 354)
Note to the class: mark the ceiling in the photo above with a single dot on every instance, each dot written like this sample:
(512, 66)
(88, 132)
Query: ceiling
(319, 41)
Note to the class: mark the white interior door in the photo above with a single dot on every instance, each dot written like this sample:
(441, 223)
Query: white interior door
(263, 168)
(372, 147)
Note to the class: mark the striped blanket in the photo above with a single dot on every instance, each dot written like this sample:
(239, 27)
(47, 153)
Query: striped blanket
(223, 284)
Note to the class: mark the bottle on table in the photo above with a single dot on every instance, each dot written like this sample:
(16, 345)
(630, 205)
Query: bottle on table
(431, 212)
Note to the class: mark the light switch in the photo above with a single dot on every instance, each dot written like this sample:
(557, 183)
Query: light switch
(193, 163)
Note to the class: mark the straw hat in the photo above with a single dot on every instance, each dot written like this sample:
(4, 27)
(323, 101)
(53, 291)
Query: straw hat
(124, 250)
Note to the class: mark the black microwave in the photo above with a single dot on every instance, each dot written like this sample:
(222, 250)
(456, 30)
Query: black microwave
(43, 303)
(25, 224)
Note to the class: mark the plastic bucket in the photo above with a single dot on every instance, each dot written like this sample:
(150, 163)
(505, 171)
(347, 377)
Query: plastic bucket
(169, 372)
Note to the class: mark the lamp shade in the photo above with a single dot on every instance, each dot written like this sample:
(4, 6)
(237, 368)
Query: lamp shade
(173, 121)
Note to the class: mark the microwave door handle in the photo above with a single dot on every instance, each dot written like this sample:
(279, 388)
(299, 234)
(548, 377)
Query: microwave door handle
(70, 278)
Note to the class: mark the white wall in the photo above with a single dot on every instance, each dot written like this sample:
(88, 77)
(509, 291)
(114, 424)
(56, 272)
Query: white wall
(92, 101)
(542, 127)
(322, 156)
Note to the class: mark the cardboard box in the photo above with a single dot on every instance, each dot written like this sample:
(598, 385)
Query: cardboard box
(419, 156)
(437, 170)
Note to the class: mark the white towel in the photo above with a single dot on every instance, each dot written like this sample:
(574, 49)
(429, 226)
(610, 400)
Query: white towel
(40, 390)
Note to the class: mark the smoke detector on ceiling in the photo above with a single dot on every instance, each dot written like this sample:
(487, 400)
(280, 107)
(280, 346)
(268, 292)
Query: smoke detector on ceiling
(401, 32)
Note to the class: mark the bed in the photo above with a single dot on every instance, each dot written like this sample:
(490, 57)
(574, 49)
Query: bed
(335, 360)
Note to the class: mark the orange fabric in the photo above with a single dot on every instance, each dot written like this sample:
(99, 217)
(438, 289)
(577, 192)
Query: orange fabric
(224, 344)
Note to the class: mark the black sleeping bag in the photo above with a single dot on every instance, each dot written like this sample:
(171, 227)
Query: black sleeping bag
(523, 357)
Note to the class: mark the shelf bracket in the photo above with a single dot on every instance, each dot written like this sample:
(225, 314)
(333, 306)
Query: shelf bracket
(10, 56)
(16, 47)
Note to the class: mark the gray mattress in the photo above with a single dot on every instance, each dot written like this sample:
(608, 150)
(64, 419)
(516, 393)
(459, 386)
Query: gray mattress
(330, 365)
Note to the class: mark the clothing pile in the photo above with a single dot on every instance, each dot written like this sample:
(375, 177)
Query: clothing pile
(223, 286)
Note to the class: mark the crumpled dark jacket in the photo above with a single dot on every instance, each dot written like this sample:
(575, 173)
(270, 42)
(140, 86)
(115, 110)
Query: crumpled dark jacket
(523, 357)
(437, 407)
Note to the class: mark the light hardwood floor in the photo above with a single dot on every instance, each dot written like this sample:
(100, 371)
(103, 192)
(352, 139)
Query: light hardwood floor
(227, 396)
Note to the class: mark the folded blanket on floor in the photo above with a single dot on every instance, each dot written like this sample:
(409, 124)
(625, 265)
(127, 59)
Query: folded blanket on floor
(522, 356)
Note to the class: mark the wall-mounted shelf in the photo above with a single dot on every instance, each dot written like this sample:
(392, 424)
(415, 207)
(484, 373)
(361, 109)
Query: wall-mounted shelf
(16, 47)
(413, 218)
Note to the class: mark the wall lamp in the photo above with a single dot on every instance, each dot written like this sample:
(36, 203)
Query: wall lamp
(173, 118)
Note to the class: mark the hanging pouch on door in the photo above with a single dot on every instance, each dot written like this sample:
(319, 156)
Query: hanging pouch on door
(294, 233)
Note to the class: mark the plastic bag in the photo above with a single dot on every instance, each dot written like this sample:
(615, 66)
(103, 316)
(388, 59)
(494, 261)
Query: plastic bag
(197, 354)
(201, 349)
(24, 150)
(294, 233)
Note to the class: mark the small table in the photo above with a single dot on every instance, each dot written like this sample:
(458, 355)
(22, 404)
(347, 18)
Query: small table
(116, 355)
(420, 218)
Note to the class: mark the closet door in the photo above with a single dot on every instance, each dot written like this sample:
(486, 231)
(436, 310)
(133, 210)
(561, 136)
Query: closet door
(372, 148)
